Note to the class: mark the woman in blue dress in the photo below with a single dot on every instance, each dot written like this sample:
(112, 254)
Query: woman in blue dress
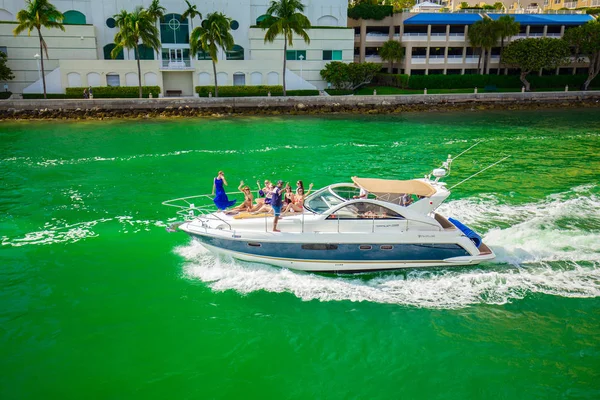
(221, 200)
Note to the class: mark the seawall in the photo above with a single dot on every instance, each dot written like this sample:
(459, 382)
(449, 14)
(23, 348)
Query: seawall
(166, 107)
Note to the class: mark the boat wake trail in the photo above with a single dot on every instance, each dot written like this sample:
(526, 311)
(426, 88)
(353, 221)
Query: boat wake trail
(548, 247)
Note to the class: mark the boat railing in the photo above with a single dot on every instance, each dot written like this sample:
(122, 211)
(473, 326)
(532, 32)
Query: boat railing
(192, 207)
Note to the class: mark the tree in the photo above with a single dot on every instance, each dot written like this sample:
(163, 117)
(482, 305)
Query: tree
(391, 51)
(498, 6)
(38, 14)
(191, 12)
(483, 34)
(349, 76)
(506, 27)
(5, 72)
(135, 27)
(585, 40)
(535, 54)
(214, 33)
(284, 17)
(156, 11)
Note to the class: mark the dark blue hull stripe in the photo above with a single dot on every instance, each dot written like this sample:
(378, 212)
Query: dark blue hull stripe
(340, 252)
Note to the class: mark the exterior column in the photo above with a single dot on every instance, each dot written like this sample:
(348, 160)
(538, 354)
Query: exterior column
(489, 57)
(429, 33)
(446, 57)
(562, 31)
(363, 39)
(527, 30)
(427, 58)
(447, 33)
(545, 30)
(391, 32)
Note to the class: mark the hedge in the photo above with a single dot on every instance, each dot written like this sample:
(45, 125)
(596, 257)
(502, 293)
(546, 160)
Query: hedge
(339, 92)
(252, 91)
(501, 81)
(370, 11)
(5, 95)
(395, 80)
(114, 92)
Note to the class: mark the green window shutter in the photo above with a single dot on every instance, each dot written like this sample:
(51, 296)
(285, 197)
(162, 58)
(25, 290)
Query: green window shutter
(336, 55)
(301, 53)
(327, 55)
(290, 55)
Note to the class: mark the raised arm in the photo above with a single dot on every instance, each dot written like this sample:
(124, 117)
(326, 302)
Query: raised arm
(224, 181)
(309, 189)
(213, 188)
(240, 187)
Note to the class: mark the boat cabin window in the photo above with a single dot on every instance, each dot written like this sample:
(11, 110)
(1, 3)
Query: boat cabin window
(362, 210)
(322, 201)
(346, 192)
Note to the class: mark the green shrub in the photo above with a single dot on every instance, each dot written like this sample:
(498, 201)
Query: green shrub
(312, 92)
(5, 95)
(114, 92)
(593, 10)
(240, 91)
(35, 96)
(500, 81)
(395, 80)
(370, 11)
(339, 92)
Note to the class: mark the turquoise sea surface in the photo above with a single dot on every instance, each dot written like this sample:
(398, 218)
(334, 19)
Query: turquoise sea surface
(98, 300)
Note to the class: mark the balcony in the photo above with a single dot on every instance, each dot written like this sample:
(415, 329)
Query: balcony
(553, 35)
(377, 37)
(457, 37)
(595, 3)
(438, 37)
(418, 60)
(571, 4)
(455, 59)
(414, 37)
(373, 58)
(436, 59)
(176, 65)
(471, 59)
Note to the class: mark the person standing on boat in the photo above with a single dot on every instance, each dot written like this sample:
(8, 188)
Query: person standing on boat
(221, 200)
(276, 203)
(363, 194)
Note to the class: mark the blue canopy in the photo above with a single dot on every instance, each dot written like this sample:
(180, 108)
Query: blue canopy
(547, 19)
(443, 19)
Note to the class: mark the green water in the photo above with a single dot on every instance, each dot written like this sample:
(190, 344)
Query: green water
(98, 301)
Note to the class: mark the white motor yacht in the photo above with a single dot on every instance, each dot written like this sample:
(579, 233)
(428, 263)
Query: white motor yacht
(394, 227)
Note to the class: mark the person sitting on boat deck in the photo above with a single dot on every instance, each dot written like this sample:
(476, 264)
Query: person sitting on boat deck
(248, 200)
(221, 200)
(264, 193)
(406, 199)
(288, 195)
(363, 194)
(264, 205)
(298, 199)
(276, 203)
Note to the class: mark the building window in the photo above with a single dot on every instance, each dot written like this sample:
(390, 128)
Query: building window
(261, 19)
(111, 23)
(73, 17)
(203, 55)
(173, 30)
(239, 79)
(113, 80)
(234, 25)
(237, 53)
(295, 55)
(329, 55)
(146, 53)
(108, 49)
(4, 50)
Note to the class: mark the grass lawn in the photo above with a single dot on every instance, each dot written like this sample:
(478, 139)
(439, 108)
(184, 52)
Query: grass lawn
(368, 90)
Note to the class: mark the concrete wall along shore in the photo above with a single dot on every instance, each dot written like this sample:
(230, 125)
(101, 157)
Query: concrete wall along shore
(100, 108)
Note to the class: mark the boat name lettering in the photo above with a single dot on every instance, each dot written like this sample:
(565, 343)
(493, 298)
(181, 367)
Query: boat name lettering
(387, 226)
(426, 236)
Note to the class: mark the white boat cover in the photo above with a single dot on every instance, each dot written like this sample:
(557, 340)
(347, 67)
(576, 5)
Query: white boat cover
(390, 186)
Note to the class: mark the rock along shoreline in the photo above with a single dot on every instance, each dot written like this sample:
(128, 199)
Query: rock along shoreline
(66, 109)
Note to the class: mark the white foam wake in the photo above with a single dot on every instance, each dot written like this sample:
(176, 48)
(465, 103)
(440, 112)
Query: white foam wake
(439, 288)
(548, 247)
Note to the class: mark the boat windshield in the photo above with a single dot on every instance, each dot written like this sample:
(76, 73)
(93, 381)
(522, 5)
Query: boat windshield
(322, 200)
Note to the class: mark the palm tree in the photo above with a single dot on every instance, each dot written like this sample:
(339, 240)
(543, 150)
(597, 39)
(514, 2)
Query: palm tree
(483, 34)
(284, 17)
(135, 27)
(38, 14)
(156, 11)
(506, 27)
(191, 12)
(214, 33)
(391, 51)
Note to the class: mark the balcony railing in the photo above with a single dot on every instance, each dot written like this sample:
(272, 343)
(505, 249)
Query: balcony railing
(571, 4)
(595, 3)
(176, 64)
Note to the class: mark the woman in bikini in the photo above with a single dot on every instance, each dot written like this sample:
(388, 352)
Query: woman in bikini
(297, 203)
(248, 200)
(264, 205)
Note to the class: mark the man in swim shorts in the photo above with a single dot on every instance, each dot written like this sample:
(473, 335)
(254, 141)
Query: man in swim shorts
(276, 203)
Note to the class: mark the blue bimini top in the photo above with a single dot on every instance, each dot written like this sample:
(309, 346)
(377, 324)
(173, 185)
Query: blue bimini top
(548, 19)
(443, 19)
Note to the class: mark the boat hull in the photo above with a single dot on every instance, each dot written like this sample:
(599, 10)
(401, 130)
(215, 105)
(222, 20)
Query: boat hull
(341, 257)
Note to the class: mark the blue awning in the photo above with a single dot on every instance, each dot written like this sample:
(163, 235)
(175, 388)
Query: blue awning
(548, 19)
(443, 19)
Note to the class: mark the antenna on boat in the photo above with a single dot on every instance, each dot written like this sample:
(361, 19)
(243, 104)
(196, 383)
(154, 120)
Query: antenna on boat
(477, 173)
(446, 167)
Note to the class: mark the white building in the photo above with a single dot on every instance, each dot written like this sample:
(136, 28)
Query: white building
(81, 55)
